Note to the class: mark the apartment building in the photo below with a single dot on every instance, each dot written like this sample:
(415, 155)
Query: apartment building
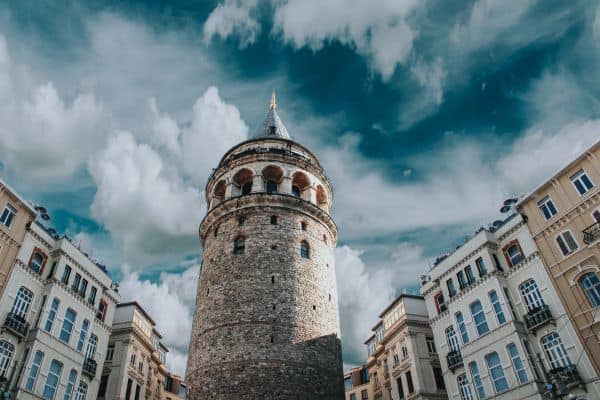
(175, 388)
(135, 362)
(402, 356)
(356, 384)
(54, 310)
(563, 214)
(15, 215)
(499, 323)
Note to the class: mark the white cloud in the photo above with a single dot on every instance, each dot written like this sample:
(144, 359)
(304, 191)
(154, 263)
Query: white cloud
(364, 292)
(43, 139)
(169, 307)
(431, 76)
(143, 202)
(233, 17)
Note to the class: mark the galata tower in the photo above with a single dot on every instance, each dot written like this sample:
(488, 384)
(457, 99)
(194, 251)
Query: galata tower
(266, 323)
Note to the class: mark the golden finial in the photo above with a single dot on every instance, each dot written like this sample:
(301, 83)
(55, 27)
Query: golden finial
(273, 103)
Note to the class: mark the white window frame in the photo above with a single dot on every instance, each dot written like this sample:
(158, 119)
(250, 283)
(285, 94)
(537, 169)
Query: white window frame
(516, 359)
(497, 307)
(451, 339)
(22, 302)
(81, 391)
(546, 203)
(34, 371)
(556, 353)
(491, 367)
(55, 386)
(562, 237)
(576, 177)
(484, 322)
(6, 215)
(464, 387)
(70, 385)
(593, 214)
(462, 327)
(477, 383)
(532, 296)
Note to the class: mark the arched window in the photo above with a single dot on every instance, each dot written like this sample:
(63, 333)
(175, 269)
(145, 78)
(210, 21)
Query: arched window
(22, 303)
(90, 351)
(321, 196)
(239, 245)
(496, 372)
(246, 188)
(451, 339)
(271, 187)
(52, 314)
(36, 262)
(82, 334)
(304, 250)
(68, 322)
(34, 370)
(243, 180)
(70, 385)
(6, 353)
(531, 294)
(590, 283)
(555, 350)
(81, 391)
(272, 176)
(439, 302)
(296, 191)
(464, 387)
(300, 183)
(52, 380)
(219, 191)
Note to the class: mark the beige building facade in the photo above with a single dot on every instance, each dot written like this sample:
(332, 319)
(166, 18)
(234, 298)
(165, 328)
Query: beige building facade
(356, 384)
(15, 215)
(135, 368)
(563, 214)
(402, 356)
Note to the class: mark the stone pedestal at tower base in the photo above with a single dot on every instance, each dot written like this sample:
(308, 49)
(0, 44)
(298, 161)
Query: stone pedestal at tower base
(272, 379)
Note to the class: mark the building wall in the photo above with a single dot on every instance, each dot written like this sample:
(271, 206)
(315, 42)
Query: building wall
(505, 280)
(266, 316)
(11, 237)
(574, 214)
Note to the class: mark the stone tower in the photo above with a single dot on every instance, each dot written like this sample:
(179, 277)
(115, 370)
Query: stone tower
(266, 324)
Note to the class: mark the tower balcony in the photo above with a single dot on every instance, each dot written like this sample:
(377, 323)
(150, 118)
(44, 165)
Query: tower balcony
(454, 359)
(591, 233)
(17, 325)
(565, 377)
(537, 318)
(89, 367)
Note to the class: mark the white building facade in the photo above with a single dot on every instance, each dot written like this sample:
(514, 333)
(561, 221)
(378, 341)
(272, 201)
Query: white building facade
(55, 313)
(500, 327)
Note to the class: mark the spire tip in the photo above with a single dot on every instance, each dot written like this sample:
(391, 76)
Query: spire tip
(273, 102)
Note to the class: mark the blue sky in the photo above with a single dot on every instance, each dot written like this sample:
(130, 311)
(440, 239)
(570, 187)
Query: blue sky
(426, 115)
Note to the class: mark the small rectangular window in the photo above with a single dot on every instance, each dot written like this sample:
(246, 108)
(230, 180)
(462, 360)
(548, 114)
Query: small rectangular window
(582, 182)
(430, 345)
(566, 243)
(83, 287)
(92, 298)
(8, 215)
(451, 288)
(66, 275)
(273, 220)
(497, 307)
(76, 281)
(547, 208)
(462, 282)
(481, 270)
(470, 275)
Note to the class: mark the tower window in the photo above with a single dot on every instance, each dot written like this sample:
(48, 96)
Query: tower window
(304, 250)
(241, 221)
(239, 245)
(246, 188)
(273, 279)
(329, 296)
(314, 307)
(273, 219)
(325, 238)
(303, 225)
(271, 187)
(274, 306)
(216, 231)
(296, 191)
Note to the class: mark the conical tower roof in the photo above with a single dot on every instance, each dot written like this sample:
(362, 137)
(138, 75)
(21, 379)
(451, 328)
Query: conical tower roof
(272, 126)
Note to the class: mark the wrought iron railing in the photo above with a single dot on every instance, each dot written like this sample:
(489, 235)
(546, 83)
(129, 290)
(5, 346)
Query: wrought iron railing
(538, 317)
(565, 376)
(89, 367)
(591, 233)
(454, 359)
(16, 324)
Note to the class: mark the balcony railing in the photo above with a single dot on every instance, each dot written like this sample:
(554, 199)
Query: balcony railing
(565, 376)
(537, 318)
(591, 233)
(454, 359)
(16, 324)
(89, 367)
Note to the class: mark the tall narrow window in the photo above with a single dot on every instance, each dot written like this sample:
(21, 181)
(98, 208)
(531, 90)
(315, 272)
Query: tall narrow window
(547, 207)
(439, 302)
(596, 215)
(479, 318)
(273, 219)
(36, 262)
(464, 387)
(496, 372)
(479, 389)
(497, 307)
(304, 250)
(438, 376)
(510, 303)
(82, 334)
(246, 188)
(83, 287)
(82, 391)
(566, 243)
(66, 275)
(239, 245)
(271, 187)
(76, 280)
(296, 191)
(590, 283)
(409, 382)
(241, 220)
(52, 380)
(555, 350)
(514, 254)
(451, 288)
(531, 294)
(6, 353)
(67, 327)
(52, 315)
(451, 339)
(517, 363)
(481, 270)
(92, 298)
(128, 390)
(470, 275)
(90, 351)
(8, 215)
(38, 357)
(460, 321)
(462, 282)
(430, 345)
(497, 262)
(70, 385)
(102, 307)
(22, 302)
(582, 182)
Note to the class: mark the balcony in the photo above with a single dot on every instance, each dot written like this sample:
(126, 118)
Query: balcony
(17, 325)
(591, 233)
(89, 367)
(537, 318)
(565, 377)
(454, 359)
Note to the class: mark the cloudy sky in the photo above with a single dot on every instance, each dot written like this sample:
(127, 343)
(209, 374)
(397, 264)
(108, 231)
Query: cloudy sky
(425, 113)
